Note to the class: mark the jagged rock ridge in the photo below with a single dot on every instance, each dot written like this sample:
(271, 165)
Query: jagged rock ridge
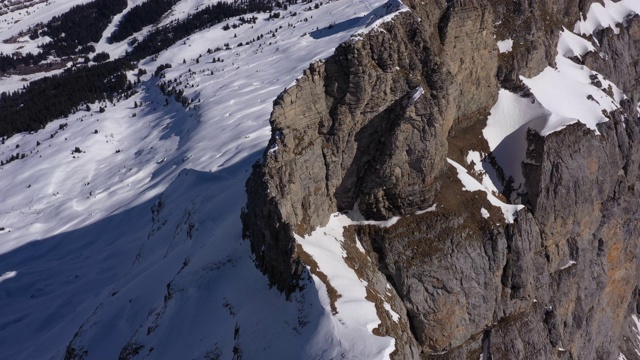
(371, 128)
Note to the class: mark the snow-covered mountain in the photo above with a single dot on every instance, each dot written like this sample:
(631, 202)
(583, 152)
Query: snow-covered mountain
(132, 246)
(416, 191)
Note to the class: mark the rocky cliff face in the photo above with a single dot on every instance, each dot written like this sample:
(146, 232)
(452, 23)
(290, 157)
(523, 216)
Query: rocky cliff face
(371, 129)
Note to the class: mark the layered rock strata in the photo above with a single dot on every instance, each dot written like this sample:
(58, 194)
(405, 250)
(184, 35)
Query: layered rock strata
(371, 129)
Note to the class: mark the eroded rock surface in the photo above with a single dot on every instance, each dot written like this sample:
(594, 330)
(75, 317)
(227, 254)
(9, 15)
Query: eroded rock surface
(371, 128)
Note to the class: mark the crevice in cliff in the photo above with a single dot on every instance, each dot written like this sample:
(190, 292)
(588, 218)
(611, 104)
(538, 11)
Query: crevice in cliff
(551, 323)
(486, 345)
(508, 265)
(443, 22)
(532, 169)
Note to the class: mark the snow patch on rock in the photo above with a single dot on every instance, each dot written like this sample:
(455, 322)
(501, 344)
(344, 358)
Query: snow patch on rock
(471, 184)
(505, 46)
(356, 316)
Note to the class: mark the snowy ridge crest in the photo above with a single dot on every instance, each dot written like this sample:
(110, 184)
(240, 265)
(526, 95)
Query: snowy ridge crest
(382, 14)
(605, 16)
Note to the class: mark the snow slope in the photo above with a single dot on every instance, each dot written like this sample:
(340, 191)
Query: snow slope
(136, 240)
(355, 316)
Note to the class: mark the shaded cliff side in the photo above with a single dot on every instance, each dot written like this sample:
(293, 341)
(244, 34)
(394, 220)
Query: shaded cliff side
(371, 129)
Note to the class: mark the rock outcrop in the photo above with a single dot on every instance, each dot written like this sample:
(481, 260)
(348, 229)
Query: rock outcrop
(370, 129)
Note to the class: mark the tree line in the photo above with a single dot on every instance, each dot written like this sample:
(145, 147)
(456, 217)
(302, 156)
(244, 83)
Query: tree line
(73, 31)
(145, 14)
(60, 95)
(53, 97)
(213, 14)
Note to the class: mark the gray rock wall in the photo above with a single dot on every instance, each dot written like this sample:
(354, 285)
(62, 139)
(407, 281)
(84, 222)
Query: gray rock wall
(352, 133)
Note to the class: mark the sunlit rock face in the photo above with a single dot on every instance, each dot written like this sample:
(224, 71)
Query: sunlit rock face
(515, 232)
